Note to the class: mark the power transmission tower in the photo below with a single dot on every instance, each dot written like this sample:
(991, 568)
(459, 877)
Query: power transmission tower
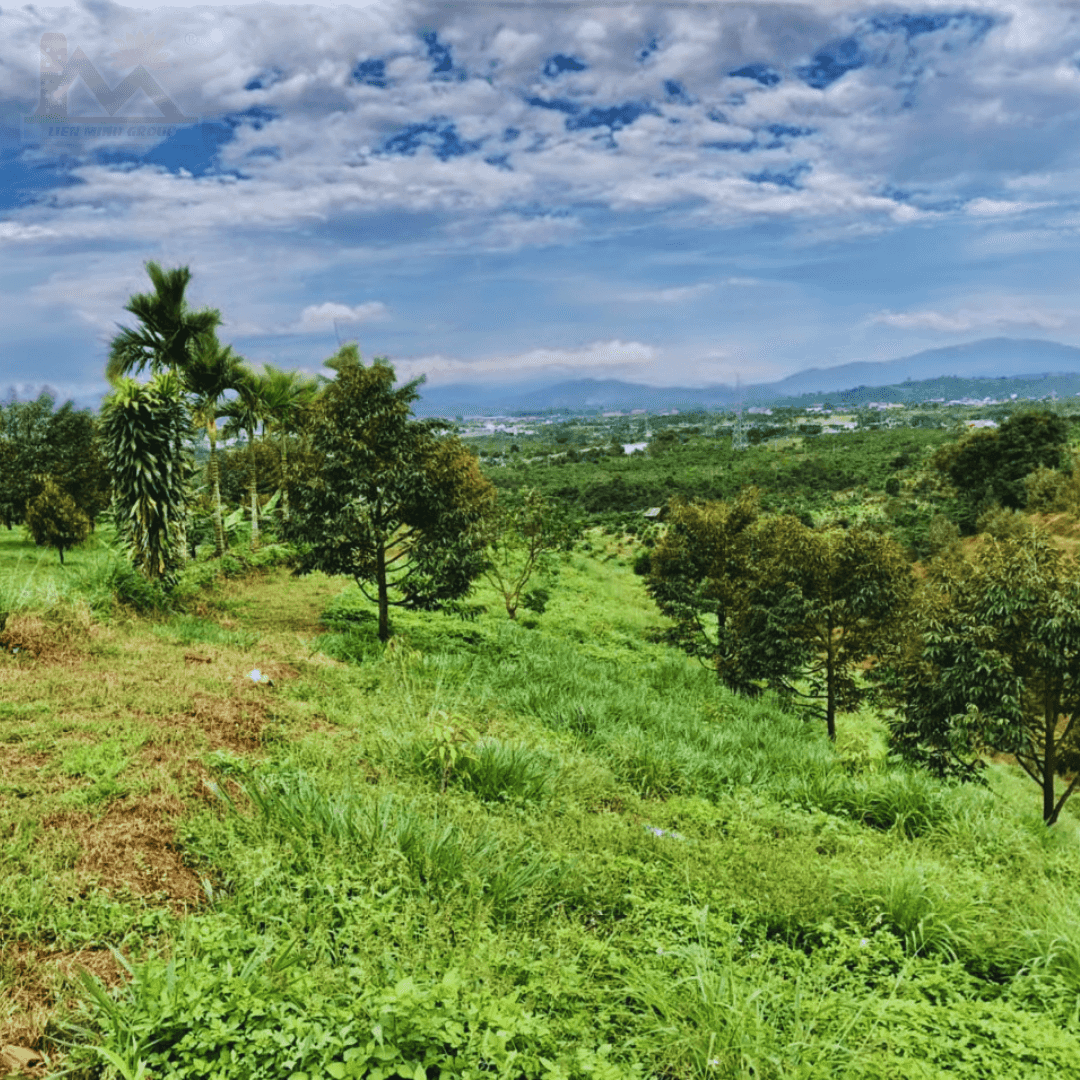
(738, 434)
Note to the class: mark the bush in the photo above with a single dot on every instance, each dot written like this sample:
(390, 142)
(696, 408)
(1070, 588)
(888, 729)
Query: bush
(54, 520)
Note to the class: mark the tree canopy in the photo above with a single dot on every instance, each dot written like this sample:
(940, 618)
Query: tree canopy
(390, 502)
(994, 664)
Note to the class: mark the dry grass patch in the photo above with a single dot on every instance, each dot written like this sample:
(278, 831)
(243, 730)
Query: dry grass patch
(131, 848)
(36, 983)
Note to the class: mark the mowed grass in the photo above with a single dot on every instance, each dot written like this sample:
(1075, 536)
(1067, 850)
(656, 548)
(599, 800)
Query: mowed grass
(543, 848)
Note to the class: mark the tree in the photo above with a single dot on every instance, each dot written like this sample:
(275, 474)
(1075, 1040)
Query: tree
(990, 465)
(703, 576)
(210, 371)
(145, 431)
(288, 397)
(993, 665)
(170, 330)
(848, 592)
(36, 441)
(167, 340)
(769, 600)
(391, 503)
(54, 520)
(521, 542)
(246, 412)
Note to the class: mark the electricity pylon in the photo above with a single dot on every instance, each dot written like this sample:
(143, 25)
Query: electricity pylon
(738, 434)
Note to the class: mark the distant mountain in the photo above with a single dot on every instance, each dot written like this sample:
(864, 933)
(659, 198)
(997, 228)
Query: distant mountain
(991, 358)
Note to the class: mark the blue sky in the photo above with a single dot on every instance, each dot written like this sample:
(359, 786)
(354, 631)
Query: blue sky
(669, 193)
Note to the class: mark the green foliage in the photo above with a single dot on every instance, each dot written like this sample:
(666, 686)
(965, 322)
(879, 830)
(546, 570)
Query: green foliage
(992, 664)
(991, 465)
(145, 428)
(522, 542)
(36, 441)
(54, 520)
(766, 599)
(393, 505)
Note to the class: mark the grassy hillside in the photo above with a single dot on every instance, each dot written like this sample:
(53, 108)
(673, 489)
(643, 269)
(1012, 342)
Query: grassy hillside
(548, 848)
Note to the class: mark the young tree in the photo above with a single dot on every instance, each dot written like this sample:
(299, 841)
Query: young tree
(848, 596)
(703, 576)
(391, 503)
(145, 431)
(994, 665)
(522, 542)
(54, 520)
(770, 600)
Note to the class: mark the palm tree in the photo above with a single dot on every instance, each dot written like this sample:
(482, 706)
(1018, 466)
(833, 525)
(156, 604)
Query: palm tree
(211, 371)
(287, 397)
(169, 328)
(166, 339)
(244, 414)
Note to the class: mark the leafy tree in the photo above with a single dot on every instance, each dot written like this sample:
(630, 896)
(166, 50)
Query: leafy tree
(145, 431)
(848, 596)
(703, 576)
(994, 665)
(390, 503)
(768, 599)
(521, 542)
(54, 520)
(36, 441)
(990, 465)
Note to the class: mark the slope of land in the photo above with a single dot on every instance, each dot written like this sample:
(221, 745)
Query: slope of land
(550, 848)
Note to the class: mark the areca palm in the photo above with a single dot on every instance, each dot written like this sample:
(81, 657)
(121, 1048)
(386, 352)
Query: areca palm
(169, 330)
(166, 339)
(245, 413)
(287, 398)
(211, 370)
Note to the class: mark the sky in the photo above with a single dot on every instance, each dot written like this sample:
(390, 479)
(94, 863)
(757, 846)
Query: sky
(673, 193)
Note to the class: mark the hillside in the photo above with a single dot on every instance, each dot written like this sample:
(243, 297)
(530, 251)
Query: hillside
(552, 848)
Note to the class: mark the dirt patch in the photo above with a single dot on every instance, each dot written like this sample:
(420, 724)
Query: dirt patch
(37, 981)
(132, 848)
(30, 637)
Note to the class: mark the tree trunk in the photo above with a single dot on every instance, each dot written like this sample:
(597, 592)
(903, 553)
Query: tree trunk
(830, 684)
(215, 483)
(384, 598)
(284, 479)
(254, 497)
(1050, 716)
(61, 550)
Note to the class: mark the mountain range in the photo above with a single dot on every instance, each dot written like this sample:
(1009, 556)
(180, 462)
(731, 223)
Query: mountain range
(990, 358)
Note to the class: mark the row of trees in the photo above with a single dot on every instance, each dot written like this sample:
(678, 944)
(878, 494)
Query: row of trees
(979, 656)
(394, 502)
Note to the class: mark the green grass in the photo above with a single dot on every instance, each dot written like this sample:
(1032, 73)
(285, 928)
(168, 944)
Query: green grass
(544, 848)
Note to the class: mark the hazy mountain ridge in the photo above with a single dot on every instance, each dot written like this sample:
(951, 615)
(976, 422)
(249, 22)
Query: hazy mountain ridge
(1020, 361)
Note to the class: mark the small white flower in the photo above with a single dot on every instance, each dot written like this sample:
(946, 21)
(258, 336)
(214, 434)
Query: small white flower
(714, 1063)
(255, 676)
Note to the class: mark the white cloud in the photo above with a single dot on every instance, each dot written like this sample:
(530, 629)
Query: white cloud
(320, 316)
(592, 357)
(963, 320)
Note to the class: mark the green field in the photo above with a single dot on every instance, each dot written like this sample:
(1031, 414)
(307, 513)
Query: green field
(549, 848)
